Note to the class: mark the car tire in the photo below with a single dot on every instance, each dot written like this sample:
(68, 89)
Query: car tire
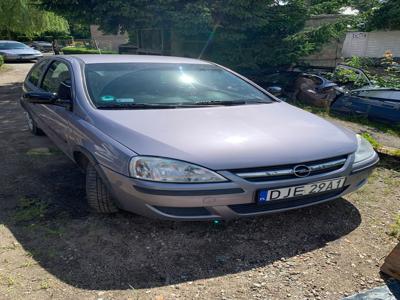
(33, 128)
(97, 194)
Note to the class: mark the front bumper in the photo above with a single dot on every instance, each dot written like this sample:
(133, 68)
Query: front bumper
(227, 200)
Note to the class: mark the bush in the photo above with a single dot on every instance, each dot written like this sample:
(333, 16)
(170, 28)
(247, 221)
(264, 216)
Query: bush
(76, 50)
(1, 61)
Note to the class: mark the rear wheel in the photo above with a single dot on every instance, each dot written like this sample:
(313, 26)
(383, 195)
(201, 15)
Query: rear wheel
(97, 194)
(33, 128)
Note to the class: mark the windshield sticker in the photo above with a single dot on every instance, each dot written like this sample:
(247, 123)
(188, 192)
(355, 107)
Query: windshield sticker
(125, 100)
(107, 98)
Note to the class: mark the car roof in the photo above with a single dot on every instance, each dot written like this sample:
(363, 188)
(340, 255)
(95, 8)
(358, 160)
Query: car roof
(116, 58)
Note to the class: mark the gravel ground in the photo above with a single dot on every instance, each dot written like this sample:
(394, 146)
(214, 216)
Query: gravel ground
(52, 248)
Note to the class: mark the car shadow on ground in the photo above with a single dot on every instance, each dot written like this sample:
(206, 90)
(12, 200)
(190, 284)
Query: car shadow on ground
(42, 204)
(122, 251)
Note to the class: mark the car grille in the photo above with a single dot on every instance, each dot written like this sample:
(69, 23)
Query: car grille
(287, 171)
(252, 208)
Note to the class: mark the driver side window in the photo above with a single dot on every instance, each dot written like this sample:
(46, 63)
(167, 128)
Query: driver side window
(57, 74)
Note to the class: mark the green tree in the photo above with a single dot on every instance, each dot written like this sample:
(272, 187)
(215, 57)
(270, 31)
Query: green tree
(258, 32)
(24, 17)
(386, 16)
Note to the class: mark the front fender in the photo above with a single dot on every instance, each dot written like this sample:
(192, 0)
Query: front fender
(86, 138)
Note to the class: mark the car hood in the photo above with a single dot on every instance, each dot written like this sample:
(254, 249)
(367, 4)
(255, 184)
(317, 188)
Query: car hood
(20, 51)
(228, 137)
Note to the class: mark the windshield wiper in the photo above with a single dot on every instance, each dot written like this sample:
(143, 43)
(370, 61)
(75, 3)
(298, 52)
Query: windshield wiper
(135, 106)
(231, 102)
(217, 102)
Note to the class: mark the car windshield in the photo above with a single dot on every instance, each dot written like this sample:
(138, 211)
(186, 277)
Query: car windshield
(9, 46)
(139, 85)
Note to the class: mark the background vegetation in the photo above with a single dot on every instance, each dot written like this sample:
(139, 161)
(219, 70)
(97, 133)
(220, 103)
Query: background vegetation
(83, 50)
(24, 19)
(239, 33)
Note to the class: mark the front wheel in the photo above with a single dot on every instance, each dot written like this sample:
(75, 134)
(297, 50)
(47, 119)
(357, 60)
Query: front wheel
(97, 194)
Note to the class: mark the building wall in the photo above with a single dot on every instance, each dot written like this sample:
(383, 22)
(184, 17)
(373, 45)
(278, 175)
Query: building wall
(329, 56)
(107, 41)
(371, 44)
(331, 53)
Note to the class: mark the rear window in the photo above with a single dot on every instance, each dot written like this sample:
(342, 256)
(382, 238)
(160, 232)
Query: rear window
(154, 83)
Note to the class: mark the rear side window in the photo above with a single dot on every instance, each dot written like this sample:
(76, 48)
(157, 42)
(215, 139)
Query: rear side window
(36, 73)
(57, 73)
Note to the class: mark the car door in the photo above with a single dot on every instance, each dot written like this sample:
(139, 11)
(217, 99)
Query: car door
(385, 106)
(354, 103)
(56, 116)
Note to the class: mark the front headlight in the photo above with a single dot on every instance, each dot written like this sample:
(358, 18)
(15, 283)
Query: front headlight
(170, 170)
(364, 149)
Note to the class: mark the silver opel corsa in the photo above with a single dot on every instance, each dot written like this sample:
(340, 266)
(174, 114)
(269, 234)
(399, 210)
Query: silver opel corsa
(184, 139)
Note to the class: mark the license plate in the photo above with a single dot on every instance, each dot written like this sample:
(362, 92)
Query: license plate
(266, 195)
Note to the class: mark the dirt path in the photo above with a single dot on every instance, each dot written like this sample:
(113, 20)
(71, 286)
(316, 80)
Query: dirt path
(52, 248)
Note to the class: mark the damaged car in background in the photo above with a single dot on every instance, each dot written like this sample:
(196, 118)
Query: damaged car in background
(370, 101)
(296, 85)
(353, 93)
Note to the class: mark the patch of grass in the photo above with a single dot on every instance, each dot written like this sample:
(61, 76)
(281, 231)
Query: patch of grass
(42, 151)
(394, 152)
(13, 246)
(45, 285)
(395, 228)
(383, 127)
(312, 109)
(371, 140)
(4, 68)
(31, 253)
(28, 264)
(82, 50)
(7, 280)
(47, 230)
(30, 209)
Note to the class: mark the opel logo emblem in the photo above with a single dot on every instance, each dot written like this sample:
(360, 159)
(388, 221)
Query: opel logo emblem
(301, 171)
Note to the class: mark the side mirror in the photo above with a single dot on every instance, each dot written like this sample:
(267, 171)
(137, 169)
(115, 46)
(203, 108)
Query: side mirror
(275, 90)
(40, 97)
